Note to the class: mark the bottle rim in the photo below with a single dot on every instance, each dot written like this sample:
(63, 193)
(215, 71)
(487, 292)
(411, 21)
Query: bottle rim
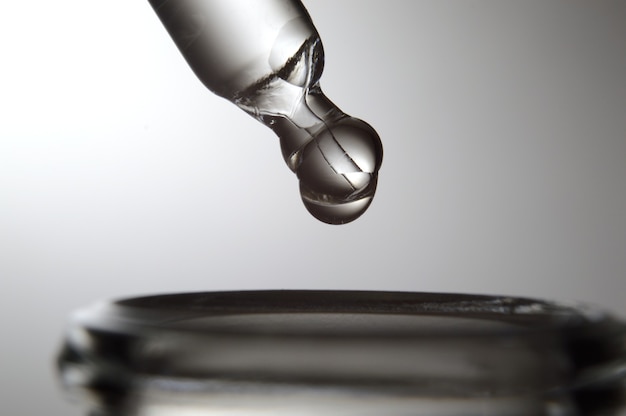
(434, 344)
(204, 314)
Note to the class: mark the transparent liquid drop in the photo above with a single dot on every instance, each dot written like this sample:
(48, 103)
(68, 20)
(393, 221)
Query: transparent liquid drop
(267, 58)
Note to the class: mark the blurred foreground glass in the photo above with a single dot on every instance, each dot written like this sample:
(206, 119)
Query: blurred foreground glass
(266, 57)
(343, 353)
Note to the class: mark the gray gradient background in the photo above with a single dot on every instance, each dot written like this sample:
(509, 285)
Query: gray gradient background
(504, 126)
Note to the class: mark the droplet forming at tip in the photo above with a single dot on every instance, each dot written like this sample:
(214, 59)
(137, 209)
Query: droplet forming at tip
(339, 171)
(267, 58)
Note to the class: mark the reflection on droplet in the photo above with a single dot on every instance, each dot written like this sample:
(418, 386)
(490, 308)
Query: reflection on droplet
(267, 58)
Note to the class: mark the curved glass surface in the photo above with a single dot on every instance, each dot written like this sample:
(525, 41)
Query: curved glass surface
(343, 353)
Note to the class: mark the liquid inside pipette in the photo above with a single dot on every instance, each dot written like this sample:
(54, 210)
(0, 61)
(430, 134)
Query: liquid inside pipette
(267, 58)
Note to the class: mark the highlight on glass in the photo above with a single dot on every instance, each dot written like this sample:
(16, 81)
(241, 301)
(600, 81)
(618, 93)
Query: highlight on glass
(343, 353)
(267, 58)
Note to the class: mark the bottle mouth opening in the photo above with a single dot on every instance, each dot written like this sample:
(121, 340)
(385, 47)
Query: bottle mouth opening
(343, 314)
(382, 343)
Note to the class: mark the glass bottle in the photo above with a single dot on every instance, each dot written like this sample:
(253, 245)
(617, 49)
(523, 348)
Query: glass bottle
(338, 353)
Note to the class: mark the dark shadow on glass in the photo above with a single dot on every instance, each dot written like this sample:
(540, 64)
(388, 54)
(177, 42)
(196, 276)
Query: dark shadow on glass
(343, 353)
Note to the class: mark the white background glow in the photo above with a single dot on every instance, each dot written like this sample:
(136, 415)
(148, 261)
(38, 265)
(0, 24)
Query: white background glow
(504, 126)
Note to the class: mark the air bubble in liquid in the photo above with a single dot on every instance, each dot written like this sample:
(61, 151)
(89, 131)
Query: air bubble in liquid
(267, 58)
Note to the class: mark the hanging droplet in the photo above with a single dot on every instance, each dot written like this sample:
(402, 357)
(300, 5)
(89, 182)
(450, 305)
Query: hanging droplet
(267, 58)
